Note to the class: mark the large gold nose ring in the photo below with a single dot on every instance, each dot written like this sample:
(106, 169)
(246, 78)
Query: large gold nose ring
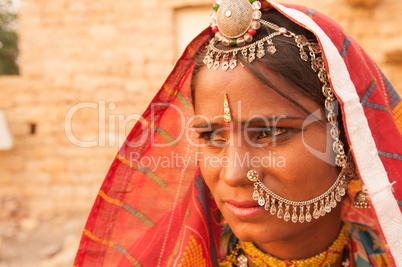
(252, 175)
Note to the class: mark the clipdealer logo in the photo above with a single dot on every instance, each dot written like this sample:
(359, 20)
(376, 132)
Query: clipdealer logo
(111, 132)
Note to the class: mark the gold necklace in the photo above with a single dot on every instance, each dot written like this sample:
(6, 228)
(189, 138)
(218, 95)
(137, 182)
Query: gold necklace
(326, 257)
(260, 259)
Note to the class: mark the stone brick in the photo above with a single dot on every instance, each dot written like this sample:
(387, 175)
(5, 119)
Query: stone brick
(35, 191)
(76, 6)
(136, 85)
(10, 190)
(54, 165)
(93, 82)
(363, 3)
(6, 177)
(11, 163)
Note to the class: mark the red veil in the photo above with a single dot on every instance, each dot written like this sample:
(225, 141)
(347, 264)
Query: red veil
(154, 209)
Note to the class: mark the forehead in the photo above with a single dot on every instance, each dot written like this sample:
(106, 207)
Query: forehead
(248, 96)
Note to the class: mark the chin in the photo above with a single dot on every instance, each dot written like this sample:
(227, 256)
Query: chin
(267, 229)
(256, 232)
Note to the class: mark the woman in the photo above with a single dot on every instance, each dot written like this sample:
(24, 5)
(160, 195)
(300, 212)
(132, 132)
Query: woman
(254, 172)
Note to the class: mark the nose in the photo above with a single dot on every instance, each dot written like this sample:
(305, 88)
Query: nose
(239, 162)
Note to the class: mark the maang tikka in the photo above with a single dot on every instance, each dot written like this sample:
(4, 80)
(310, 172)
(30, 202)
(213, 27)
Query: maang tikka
(234, 23)
(227, 114)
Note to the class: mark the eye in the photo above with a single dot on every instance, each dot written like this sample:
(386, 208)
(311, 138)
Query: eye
(213, 138)
(272, 132)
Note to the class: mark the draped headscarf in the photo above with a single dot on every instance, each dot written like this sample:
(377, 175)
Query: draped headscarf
(154, 208)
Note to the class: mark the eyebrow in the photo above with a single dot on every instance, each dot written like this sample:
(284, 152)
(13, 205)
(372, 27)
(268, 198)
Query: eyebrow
(205, 125)
(251, 121)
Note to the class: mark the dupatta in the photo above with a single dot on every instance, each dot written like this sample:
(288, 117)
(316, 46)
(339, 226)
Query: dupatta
(154, 209)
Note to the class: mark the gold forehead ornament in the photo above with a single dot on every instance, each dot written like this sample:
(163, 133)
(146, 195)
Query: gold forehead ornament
(235, 22)
(227, 115)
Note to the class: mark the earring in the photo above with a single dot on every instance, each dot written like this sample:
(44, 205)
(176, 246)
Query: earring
(361, 199)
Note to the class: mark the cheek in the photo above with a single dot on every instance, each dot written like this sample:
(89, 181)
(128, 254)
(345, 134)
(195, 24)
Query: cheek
(307, 167)
(316, 138)
(317, 135)
(209, 171)
(306, 176)
(317, 142)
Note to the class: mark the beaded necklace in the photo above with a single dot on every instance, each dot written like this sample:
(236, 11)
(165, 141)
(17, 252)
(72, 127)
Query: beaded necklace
(260, 259)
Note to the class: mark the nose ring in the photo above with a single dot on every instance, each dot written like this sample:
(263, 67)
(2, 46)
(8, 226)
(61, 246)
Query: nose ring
(252, 175)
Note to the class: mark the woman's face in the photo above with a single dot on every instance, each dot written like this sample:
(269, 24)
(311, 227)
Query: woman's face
(269, 134)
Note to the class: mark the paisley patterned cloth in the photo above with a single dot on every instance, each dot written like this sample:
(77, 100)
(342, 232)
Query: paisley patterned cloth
(367, 248)
(153, 214)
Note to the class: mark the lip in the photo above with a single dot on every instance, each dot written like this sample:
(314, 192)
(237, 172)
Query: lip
(244, 209)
